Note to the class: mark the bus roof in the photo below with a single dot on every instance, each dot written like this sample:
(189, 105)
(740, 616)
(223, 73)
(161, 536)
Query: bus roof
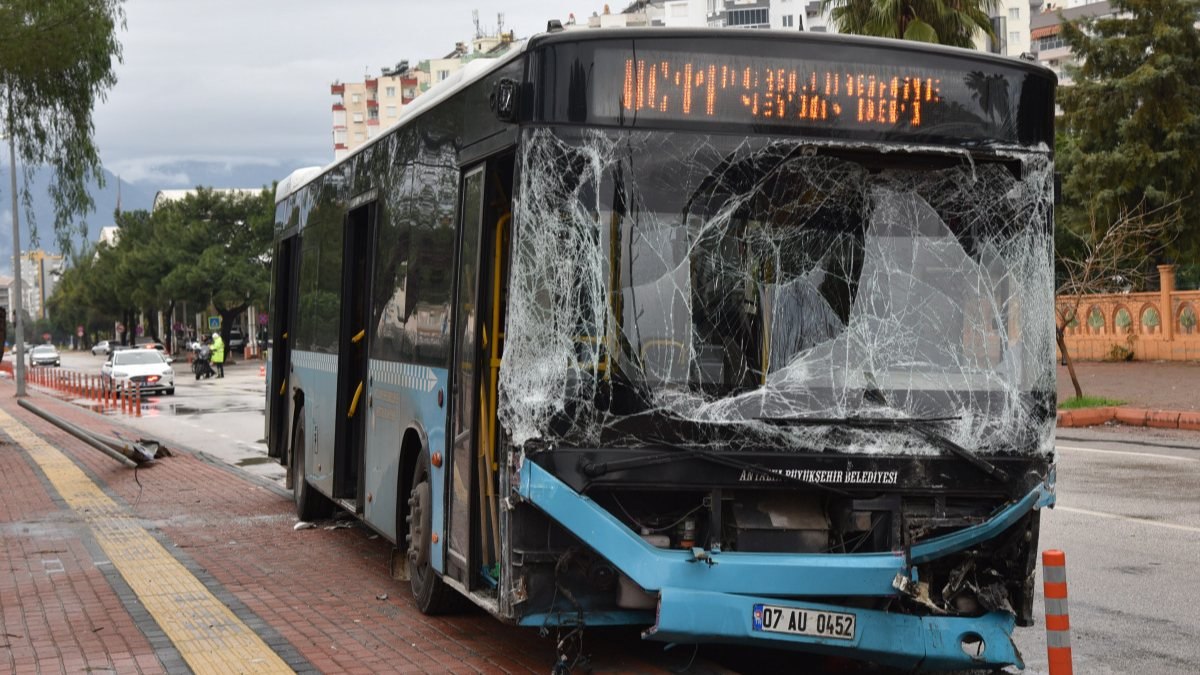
(478, 68)
(460, 79)
(590, 34)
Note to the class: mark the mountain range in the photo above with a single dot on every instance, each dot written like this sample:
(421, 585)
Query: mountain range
(132, 196)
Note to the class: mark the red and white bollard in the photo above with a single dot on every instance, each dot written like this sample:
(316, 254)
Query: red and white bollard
(1058, 621)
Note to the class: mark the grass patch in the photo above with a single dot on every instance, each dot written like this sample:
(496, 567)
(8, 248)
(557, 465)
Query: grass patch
(1076, 402)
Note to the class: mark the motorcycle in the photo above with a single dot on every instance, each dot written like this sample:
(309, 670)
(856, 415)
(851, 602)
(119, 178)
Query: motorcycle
(202, 361)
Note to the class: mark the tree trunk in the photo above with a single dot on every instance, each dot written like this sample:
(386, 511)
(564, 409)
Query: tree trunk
(227, 318)
(129, 327)
(169, 341)
(1060, 338)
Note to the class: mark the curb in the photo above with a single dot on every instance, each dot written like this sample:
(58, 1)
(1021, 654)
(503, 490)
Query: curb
(1134, 417)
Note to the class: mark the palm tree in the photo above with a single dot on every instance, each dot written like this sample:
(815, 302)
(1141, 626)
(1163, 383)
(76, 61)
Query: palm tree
(947, 22)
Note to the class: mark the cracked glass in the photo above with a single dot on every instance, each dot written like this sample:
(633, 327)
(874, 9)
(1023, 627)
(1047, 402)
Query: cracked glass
(721, 292)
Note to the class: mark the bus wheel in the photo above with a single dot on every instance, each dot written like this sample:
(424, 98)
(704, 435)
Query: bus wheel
(310, 504)
(432, 594)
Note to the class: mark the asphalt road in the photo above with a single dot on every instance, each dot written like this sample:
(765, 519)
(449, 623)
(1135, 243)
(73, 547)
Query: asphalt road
(1128, 518)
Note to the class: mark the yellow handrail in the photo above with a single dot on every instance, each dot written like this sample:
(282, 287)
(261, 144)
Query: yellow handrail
(354, 402)
(488, 425)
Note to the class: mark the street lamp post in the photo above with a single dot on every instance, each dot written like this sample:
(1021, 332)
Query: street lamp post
(18, 324)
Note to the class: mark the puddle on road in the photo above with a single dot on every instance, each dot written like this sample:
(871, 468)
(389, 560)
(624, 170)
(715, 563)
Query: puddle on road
(178, 409)
(251, 461)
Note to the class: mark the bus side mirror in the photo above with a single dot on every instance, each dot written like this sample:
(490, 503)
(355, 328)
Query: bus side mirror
(504, 100)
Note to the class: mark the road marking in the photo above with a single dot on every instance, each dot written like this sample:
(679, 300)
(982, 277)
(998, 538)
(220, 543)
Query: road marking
(1073, 448)
(207, 634)
(1128, 519)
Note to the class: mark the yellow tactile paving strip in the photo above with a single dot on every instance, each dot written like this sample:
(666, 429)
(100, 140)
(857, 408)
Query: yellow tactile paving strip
(204, 631)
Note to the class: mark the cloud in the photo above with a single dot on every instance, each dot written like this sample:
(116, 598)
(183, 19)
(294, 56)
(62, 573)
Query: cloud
(180, 171)
(150, 171)
(251, 79)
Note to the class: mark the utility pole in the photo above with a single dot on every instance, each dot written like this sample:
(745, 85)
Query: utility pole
(18, 324)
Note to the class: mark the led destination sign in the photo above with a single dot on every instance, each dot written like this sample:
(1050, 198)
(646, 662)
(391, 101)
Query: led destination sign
(772, 93)
(634, 86)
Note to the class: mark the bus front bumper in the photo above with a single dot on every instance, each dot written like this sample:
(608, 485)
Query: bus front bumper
(896, 640)
(712, 596)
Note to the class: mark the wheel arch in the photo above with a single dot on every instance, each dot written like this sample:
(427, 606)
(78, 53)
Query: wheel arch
(411, 444)
(290, 435)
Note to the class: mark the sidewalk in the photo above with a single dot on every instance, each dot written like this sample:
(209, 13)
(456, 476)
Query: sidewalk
(1154, 393)
(188, 564)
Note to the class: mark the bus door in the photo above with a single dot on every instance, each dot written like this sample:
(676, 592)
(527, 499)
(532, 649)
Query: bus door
(283, 305)
(352, 384)
(474, 530)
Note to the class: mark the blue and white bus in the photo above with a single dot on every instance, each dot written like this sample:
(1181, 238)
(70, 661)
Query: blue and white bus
(741, 337)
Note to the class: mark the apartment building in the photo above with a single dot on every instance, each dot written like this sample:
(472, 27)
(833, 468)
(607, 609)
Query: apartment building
(40, 272)
(1010, 21)
(1010, 25)
(1046, 35)
(364, 109)
(789, 14)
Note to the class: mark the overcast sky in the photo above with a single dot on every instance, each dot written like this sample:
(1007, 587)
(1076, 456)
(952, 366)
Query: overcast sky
(246, 82)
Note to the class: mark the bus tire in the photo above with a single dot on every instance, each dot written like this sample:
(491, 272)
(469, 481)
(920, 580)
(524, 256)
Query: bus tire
(433, 596)
(310, 504)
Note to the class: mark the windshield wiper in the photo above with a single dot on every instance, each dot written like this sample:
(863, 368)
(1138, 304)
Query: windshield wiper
(923, 426)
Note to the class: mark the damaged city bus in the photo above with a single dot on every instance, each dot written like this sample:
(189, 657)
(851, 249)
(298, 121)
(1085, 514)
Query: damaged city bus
(740, 337)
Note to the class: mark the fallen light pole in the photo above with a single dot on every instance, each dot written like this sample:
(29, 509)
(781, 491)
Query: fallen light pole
(129, 454)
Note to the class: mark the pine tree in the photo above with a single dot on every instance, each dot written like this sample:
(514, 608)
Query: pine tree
(1132, 118)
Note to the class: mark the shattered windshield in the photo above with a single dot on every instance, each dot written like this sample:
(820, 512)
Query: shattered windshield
(711, 283)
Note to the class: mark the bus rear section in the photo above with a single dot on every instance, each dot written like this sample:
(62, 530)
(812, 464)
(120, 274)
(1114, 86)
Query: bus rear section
(783, 369)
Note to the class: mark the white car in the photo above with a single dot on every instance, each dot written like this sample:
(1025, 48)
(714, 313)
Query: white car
(44, 355)
(100, 347)
(145, 369)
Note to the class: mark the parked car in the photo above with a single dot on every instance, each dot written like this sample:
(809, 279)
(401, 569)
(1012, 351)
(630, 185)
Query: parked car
(44, 355)
(237, 340)
(101, 347)
(146, 369)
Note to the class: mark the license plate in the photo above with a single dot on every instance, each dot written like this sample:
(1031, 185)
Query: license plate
(799, 621)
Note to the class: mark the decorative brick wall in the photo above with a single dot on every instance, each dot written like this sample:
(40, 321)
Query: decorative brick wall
(1108, 325)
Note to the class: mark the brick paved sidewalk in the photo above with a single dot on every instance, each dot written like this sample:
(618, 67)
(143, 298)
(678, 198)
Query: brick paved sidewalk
(1141, 384)
(1155, 394)
(322, 599)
